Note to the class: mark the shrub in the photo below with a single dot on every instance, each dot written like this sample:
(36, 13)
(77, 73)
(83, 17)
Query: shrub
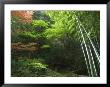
(27, 67)
(39, 23)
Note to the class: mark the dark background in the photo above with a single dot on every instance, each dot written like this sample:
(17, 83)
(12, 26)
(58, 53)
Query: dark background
(2, 2)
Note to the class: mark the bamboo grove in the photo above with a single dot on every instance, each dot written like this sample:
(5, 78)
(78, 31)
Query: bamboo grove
(55, 43)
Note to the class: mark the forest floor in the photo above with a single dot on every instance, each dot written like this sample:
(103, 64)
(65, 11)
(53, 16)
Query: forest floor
(29, 67)
(21, 68)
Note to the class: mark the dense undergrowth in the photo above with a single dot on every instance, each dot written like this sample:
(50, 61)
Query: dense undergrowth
(50, 44)
(24, 67)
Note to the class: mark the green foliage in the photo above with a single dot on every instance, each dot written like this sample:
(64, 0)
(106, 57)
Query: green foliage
(18, 28)
(39, 23)
(34, 67)
(30, 36)
(28, 67)
(16, 24)
(58, 37)
(53, 33)
(45, 46)
(41, 15)
(91, 21)
(27, 36)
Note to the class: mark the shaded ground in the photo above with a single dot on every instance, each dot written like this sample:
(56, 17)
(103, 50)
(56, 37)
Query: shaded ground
(34, 67)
